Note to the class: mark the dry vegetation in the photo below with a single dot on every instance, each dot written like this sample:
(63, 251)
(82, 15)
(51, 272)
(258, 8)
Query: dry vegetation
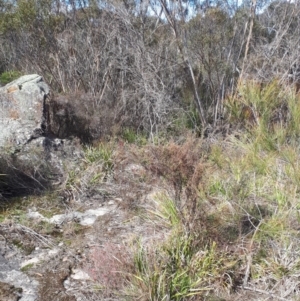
(221, 220)
(227, 214)
(190, 126)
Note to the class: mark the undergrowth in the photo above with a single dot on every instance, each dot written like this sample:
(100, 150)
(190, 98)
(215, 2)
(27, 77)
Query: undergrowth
(232, 214)
(227, 208)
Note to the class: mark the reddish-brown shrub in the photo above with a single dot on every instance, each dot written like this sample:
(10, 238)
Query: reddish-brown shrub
(180, 164)
(109, 266)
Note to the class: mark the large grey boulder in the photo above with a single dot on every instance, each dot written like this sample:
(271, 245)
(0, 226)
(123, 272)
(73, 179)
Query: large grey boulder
(22, 110)
(30, 156)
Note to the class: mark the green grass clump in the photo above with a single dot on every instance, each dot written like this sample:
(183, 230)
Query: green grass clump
(181, 267)
(270, 113)
(166, 211)
(8, 76)
(243, 197)
(103, 153)
(178, 270)
(27, 267)
(132, 136)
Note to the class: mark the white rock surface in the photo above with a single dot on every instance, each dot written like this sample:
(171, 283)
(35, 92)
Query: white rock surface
(80, 275)
(30, 261)
(40, 256)
(35, 215)
(86, 218)
(19, 279)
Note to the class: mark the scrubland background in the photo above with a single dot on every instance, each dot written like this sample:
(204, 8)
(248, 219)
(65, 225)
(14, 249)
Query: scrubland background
(202, 96)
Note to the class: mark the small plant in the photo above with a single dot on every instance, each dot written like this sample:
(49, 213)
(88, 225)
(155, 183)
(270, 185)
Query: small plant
(102, 153)
(27, 267)
(182, 266)
(270, 112)
(131, 136)
(8, 76)
(180, 165)
(166, 211)
(109, 266)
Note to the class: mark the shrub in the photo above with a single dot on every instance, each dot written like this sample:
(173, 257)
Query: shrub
(181, 165)
(109, 266)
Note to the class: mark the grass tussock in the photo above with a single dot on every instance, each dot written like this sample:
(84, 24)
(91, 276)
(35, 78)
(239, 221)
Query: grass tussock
(183, 266)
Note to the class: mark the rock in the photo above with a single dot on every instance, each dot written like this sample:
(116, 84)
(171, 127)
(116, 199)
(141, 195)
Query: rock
(14, 284)
(30, 262)
(31, 157)
(35, 215)
(91, 215)
(60, 219)
(86, 218)
(80, 275)
(40, 256)
(22, 120)
(22, 105)
(23, 287)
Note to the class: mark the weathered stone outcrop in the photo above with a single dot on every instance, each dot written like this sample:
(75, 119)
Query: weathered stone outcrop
(31, 157)
(22, 110)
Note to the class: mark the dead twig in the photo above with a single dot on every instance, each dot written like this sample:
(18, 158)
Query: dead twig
(36, 235)
(263, 292)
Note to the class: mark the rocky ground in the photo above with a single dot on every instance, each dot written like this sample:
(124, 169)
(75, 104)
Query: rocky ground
(57, 246)
(66, 210)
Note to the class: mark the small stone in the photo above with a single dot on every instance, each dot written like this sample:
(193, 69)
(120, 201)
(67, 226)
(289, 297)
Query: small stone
(80, 275)
(35, 215)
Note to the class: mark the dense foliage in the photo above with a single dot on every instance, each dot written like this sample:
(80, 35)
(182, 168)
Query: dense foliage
(150, 66)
